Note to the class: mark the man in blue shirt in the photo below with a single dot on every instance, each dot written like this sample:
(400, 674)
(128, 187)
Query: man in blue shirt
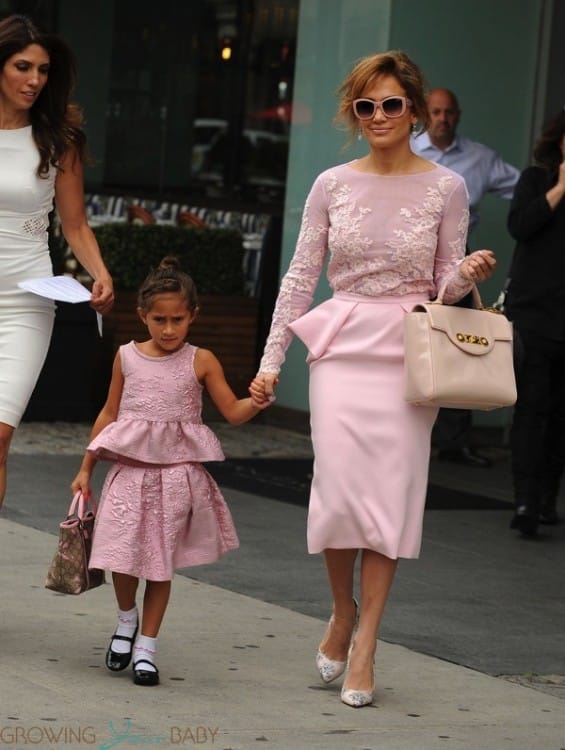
(484, 172)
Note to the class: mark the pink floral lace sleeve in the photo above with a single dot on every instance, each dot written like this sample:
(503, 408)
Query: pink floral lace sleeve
(385, 236)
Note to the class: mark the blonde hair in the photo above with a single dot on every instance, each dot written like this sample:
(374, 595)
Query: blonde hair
(392, 63)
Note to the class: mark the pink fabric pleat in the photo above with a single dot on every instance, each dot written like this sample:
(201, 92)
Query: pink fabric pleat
(371, 448)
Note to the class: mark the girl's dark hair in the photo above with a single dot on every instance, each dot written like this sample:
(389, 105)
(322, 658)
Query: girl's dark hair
(393, 63)
(56, 123)
(167, 277)
(547, 151)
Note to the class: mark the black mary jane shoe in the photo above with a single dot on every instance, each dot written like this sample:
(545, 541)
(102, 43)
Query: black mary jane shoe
(146, 677)
(115, 661)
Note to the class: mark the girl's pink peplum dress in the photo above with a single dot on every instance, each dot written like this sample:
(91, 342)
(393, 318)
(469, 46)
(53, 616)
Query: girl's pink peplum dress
(160, 509)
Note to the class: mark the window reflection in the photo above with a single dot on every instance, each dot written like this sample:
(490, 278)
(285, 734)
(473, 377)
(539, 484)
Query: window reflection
(200, 99)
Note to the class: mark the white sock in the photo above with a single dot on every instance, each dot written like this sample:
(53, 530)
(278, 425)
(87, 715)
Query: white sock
(145, 648)
(127, 623)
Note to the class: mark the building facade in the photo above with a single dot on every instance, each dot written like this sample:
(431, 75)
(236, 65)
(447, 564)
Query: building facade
(230, 103)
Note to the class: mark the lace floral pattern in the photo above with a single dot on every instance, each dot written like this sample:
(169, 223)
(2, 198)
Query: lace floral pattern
(154, 521)
(160, 417)
(392, 235)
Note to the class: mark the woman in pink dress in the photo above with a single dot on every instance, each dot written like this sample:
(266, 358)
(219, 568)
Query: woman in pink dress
(393, 227)
(160, 509)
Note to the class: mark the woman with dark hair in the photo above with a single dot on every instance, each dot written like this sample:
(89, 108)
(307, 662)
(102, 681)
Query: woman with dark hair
(42, 150)
(535, 302)
(394, 227)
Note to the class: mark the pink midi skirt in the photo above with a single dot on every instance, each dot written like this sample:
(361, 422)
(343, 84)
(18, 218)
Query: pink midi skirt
(371, 448)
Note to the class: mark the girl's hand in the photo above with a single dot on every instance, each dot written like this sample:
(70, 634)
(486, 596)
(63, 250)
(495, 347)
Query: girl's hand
(478, 266)
(258, 393)
(263, 386)
(81, 483)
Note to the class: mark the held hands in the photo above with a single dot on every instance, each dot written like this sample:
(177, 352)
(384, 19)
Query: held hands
(478, 266)
(262, 389)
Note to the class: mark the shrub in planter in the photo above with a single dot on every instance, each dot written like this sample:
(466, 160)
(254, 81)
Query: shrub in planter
(75, 378)
(213, 257)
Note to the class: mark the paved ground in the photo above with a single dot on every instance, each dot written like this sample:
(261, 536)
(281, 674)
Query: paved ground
(480, 611)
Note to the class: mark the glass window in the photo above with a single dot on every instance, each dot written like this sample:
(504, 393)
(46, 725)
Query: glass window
(201, 98)
(43, 13)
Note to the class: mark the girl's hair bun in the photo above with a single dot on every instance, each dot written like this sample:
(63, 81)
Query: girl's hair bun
(169, 261)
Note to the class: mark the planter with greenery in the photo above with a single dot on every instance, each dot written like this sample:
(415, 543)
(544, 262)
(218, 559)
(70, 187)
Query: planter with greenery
(75, 378)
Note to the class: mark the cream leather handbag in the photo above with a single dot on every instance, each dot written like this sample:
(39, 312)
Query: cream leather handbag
(457, 357)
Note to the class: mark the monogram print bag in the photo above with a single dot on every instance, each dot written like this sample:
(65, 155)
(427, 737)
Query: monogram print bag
(68, 572)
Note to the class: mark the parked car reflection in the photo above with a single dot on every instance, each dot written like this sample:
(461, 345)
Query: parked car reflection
(204, 133)
(261, 161)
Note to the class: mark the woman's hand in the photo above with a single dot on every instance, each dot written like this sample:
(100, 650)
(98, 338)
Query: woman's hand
(102, 295)
(263, 387)
(478, 266)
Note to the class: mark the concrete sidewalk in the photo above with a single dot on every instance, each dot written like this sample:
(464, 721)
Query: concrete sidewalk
(235, 672)
(236, 651)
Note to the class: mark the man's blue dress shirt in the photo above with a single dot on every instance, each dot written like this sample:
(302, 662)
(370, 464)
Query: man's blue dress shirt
(482, 169)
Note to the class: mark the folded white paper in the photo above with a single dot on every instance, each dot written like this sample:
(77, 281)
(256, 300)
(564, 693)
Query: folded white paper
(62, 289)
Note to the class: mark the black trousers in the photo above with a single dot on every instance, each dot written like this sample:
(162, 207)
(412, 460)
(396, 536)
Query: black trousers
(537, 435)
(452, 429)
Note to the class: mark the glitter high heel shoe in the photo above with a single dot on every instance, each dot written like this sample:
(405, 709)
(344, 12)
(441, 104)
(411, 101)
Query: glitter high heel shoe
(331, 669)
(358, 698)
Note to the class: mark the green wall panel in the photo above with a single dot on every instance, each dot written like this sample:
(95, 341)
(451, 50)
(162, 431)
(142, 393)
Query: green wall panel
(485, 50)
(332, 35)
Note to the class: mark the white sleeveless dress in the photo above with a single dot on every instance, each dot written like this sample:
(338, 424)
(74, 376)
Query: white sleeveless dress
(26, 320)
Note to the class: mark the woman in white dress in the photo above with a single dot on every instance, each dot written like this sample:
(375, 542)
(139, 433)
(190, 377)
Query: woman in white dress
(394, 227)
(42, 149)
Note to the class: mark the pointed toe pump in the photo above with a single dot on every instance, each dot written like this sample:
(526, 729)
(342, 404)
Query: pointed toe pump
(358, 698)
(331, 669)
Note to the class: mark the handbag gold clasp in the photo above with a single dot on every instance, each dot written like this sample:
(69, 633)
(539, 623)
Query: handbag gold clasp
(471, 338)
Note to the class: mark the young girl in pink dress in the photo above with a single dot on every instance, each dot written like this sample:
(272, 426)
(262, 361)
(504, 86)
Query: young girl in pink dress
(160, 509)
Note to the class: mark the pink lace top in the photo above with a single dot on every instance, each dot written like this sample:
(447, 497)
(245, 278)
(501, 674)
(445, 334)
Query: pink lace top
(385, 235)
(160, 416)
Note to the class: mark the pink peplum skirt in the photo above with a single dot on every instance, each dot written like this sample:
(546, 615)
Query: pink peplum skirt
(371, 448)
(154, 520)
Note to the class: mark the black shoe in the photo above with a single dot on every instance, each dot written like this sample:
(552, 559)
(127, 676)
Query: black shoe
(146, 677)
(464, 455)
(549, 517)
(525, 522)
(116, 661)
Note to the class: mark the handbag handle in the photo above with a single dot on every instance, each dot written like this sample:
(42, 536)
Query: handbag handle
(79, 505)
(477, 301)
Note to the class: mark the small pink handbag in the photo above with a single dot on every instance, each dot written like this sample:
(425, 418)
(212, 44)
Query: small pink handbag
(69, 572)
(457, 357)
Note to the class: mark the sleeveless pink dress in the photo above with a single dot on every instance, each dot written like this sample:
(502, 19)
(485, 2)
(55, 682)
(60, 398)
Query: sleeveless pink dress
(160, 509)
